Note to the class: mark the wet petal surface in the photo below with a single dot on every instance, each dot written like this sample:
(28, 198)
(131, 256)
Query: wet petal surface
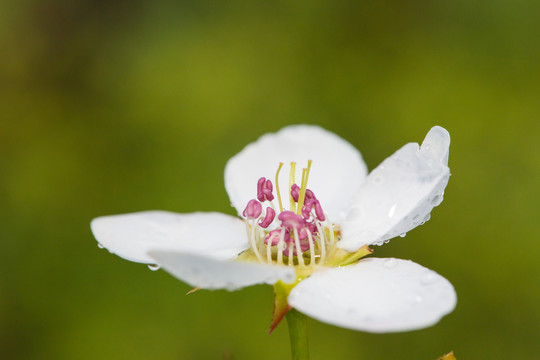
(208, 273)
(337, 170)
(130, 236)
(376, 295)
(400, 193)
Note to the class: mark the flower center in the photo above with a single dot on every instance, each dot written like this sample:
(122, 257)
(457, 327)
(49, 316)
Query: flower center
(298, 236)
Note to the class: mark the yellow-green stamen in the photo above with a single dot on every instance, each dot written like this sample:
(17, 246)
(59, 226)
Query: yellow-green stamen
(291, 183)
(303, 188)
(277, 187)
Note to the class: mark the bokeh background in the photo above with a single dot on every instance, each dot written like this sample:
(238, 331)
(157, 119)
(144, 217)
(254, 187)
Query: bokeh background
(114, 107)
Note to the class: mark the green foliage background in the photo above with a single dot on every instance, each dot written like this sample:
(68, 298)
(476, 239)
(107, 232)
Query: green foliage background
(114, 107)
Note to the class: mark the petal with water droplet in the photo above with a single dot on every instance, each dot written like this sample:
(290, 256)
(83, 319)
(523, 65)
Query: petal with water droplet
(376, 295)
(208, 273)
(403, 189)
(337, 170)
(130, 236)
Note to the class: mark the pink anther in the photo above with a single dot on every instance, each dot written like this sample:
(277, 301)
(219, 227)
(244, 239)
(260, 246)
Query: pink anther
(310, 195)
(264, 190)
(260, 184)
(306, 209)
(268, 218)
(318, 211)
(274, 236)
(304, 246)
(309, 228)
(290, 220)
(269, 185)
(295, 192)
(312, 227)
(303, 234)
(253, 209)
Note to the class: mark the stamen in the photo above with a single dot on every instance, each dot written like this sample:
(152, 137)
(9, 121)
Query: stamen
(306, 209)
(277, 187)
(290, 256)
(280, 246)
(300, 205)
(319, 211)
(264, 190)
(260, 240)
(311, 249)
(253, 209)
(322, 240)
(253, 242)
(268, 218)
(268, 190)
(298, 248)
(274, 238)
(260, 184)
(291, 220)
(332, 239)
(304, 187)
(273, 205)
(291, 183)
(295, 192)
(269, 250)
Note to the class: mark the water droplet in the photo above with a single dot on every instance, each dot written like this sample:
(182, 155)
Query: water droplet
(392, 211)
(367, 319)
(399, 162)
(416, 217)
(414, 298)
(390, 263)
(402, 235)
(99, 245)
(428, 216)
(428, 278)
(437, 200)
(153, 267)
(377, 179)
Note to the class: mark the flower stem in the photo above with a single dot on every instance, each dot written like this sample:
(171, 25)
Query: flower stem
(297, 323)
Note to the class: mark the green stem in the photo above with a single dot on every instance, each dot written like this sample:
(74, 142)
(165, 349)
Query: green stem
(298, 335)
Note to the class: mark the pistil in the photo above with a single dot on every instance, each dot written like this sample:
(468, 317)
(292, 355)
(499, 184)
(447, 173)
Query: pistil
(277, 187)
(303, 188)
(291, 183)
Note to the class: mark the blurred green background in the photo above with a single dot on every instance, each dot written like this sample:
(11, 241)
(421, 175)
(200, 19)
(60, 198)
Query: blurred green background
(114, 107)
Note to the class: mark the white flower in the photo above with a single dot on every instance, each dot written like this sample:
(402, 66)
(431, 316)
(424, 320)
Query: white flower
(330, 225)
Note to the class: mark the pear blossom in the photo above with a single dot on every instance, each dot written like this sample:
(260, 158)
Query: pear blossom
(308, 212)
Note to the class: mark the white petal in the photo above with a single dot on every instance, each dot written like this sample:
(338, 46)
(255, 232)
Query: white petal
(207, 273)
(376, 295)
(336, 172)
(130, 236)
(400, 193)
